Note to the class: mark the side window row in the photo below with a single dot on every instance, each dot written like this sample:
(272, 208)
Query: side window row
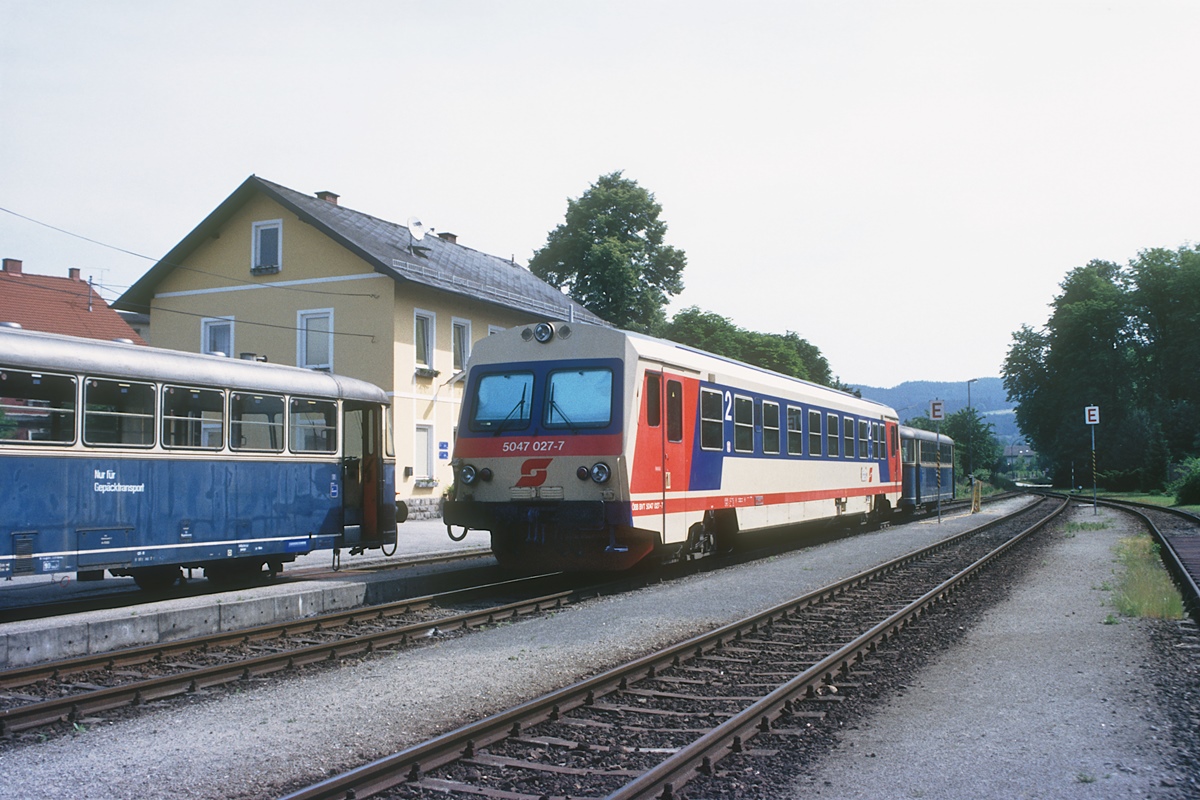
(844, 437)
(37, 408)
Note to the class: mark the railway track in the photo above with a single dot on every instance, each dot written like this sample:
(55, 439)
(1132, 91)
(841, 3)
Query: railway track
(1178, 532)
(97, 596)
(646, 728)
(72, 689)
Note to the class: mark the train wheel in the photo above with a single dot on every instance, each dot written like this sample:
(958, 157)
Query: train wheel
(155, 579)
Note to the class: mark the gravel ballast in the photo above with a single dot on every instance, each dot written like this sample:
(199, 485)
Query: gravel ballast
(1087, 695)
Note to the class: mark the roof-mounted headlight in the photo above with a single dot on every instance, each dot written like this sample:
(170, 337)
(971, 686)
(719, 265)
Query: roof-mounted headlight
(543, 332)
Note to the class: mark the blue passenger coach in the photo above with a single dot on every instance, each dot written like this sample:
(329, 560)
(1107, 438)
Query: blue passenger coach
(142, 461)
(927, 463)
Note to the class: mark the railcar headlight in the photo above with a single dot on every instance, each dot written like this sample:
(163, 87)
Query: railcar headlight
(485, 475)
(468, 474)
(582, 473)
(600, 472)
(543, 332)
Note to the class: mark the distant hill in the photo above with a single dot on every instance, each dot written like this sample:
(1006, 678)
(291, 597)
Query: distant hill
(911, 399)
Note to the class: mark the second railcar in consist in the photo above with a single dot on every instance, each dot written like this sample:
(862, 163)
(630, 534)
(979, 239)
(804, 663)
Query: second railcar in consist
(928, 464)
(583, 447)
(142, 461)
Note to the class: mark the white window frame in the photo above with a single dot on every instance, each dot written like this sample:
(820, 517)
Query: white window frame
(257, 263)
(430, 338)
(458, 324)
(206, 325)
(423, 462)
(302, 318)
(494, 329)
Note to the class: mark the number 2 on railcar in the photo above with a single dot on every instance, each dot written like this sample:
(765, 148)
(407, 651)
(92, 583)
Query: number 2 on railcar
(142, 461)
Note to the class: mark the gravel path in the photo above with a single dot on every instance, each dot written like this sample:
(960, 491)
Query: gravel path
(269, 736)
(1041, 699)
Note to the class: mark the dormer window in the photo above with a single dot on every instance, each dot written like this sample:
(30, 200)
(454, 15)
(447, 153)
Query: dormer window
(267, 253)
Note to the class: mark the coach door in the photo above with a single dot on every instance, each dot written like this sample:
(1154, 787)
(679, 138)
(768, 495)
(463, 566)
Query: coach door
(664, 421)
(364, 515)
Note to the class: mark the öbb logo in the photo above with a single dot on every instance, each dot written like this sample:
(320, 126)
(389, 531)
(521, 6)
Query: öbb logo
(533, 472)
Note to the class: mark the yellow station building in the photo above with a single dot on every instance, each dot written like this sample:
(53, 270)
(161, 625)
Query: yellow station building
(300, 279)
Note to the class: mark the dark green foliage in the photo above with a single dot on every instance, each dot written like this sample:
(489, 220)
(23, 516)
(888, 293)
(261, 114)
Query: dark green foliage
(609, 255)
(1125, 340)
(785, 353)
(1188, 493)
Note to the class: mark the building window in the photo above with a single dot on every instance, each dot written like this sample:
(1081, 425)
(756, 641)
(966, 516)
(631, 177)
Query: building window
(314, 339)
(267, 251)
(423, 328)
(461, 344)
(423, 453)
(216, 336)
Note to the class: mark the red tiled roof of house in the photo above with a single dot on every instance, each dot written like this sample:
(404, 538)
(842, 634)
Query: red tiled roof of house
(58, 305)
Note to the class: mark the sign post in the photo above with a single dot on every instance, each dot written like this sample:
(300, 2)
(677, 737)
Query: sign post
(937, 412)
(1091, 416)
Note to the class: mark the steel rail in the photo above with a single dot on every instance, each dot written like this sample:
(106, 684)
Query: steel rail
(143, 654)
(409, 764)
(1186, 578)
(731, 736)
(74, 707)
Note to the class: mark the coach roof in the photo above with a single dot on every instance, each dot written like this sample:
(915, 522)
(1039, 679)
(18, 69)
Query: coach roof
(50, 352)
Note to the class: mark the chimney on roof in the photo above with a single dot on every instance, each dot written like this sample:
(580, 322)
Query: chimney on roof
(73, 273)
(452, 238)
(328, 197)
(12, 266)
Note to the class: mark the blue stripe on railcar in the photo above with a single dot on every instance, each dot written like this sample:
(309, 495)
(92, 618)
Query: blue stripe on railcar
(109, 512)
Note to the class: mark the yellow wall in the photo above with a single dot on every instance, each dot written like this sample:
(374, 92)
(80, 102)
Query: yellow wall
(265, 316)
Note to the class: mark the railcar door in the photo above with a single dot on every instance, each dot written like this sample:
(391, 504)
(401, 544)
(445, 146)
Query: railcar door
(662, 466)
(367, 513)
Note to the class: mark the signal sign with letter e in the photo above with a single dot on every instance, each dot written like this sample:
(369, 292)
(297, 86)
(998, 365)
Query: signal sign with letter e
(937, 412)
(1091, 415)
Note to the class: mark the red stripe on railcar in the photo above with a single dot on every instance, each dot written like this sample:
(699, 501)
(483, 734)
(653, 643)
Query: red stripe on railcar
(570, 445)
(677, 505)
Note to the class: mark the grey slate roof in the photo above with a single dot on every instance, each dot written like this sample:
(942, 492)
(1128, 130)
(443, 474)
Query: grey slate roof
(391, 250)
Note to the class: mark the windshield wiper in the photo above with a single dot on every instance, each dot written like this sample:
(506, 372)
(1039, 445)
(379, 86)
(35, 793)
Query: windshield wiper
(554, 406)
(519, 407)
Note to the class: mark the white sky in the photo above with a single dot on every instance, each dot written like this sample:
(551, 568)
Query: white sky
(904, 184)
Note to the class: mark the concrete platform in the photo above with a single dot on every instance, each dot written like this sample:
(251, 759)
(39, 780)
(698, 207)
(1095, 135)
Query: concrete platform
(35, 641)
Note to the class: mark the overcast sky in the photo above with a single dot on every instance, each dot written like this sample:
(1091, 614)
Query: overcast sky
(904, 184)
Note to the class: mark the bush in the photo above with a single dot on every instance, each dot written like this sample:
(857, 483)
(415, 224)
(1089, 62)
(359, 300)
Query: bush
(1188, 492)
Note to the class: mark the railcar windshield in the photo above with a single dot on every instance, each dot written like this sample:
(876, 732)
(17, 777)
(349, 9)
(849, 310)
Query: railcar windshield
(579, 398)
(503, 401)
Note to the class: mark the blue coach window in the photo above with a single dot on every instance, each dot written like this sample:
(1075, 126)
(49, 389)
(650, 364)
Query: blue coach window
(579, 398)
(503, 402)
(256, 422)
(36, 408)
(117, 413)
(313, 426)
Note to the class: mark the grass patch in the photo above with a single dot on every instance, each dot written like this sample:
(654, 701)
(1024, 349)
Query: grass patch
(1078, 527)
(1145, 590)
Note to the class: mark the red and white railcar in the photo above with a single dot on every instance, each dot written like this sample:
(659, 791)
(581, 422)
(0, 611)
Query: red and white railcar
(582, 447)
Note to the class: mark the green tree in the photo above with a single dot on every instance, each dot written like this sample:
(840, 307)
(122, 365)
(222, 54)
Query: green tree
(784, 353)
(609, 255)
(1092, 352)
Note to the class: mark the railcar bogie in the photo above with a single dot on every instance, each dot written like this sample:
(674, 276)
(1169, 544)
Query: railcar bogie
(138, 461)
